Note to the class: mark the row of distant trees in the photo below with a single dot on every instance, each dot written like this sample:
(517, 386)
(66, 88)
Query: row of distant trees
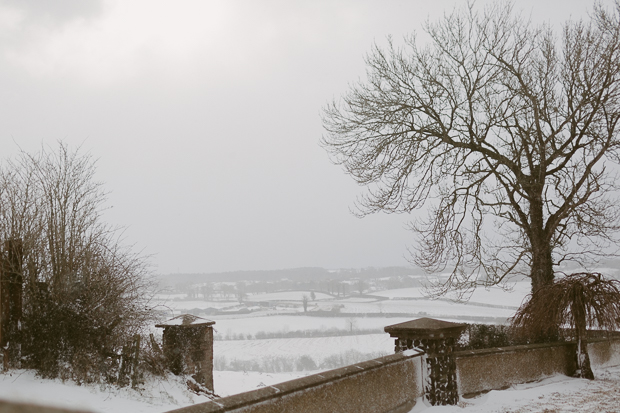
(85, 295)
(340, 287)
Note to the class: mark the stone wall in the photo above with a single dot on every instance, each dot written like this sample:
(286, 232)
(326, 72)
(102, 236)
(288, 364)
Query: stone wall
(499, 368)
(393, 383)
(604, 353)
(389, 384)
(15, 407)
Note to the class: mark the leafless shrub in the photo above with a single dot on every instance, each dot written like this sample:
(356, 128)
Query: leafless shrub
(85, 295)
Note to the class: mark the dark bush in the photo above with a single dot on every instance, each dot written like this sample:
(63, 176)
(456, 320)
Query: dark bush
(85, 297)
(478, 336)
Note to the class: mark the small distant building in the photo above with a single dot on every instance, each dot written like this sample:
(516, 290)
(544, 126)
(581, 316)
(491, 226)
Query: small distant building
(210, 311)
(188, 347)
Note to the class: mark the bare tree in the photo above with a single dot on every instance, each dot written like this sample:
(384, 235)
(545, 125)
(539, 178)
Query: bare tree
(207, 291)
(360, 285)
(85, 294)
(503, 132)
(240, 292)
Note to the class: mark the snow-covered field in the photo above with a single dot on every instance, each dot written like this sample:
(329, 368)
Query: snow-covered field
(227, 326)
(334, 331)
(512, 297)
(299, 354)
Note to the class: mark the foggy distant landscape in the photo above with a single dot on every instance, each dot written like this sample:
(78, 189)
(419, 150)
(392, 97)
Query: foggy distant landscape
(278, 168)
(262, 331)
(267, 338)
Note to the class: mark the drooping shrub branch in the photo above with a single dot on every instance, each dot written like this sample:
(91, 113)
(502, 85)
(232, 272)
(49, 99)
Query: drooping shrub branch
(578, 301)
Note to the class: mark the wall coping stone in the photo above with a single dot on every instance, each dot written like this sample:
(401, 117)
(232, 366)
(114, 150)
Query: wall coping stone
(600, 339)
(185, 320)
(508, 349)
(524, 347)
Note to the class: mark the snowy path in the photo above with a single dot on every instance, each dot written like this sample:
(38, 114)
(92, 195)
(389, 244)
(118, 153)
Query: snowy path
(553, 395)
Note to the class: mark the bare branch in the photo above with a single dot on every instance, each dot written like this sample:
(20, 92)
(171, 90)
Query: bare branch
(502, 132)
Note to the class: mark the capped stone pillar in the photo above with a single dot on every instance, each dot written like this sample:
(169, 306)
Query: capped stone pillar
(437, 339)
(188, 347)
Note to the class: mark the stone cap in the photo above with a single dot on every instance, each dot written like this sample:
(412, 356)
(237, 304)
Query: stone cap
(185, 320)
(425, 328)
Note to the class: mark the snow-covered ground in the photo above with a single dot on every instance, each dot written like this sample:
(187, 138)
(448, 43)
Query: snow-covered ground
(553, 395)
(158, 395)
(285, 356)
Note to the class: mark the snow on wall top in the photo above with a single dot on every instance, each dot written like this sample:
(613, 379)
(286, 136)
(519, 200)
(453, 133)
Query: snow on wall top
(186, 320)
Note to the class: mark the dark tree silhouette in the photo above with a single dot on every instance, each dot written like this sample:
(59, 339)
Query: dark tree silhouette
(502, 131)
(85, 294)
(579, 300)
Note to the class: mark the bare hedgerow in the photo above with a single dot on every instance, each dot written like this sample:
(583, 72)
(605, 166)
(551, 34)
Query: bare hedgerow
(85, 294)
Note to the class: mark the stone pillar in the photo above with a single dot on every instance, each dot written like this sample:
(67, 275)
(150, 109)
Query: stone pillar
(188, 347)
(437, 339)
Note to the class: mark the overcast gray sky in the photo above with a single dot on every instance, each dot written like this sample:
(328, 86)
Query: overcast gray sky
(205, 118)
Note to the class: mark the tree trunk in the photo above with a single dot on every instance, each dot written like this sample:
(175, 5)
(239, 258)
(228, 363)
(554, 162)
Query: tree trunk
(583, 359)
(541, 272)
(579, 316)
(542, 266)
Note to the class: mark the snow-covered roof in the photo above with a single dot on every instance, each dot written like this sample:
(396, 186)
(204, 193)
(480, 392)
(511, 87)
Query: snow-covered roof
(186, 320)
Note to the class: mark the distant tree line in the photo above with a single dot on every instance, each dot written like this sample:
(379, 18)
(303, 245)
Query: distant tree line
(292, 274)
(340, 287)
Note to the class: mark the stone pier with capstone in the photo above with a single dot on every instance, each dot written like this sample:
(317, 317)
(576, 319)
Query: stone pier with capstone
(437, 339)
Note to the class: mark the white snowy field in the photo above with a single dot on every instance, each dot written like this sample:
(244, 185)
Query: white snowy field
(281, 337)
(430, 308)
(287, 296)
(512, 297)
(409, 302)
(228, 326)
(299, 354)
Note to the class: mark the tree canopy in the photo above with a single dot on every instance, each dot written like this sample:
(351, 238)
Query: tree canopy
(504, 132)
